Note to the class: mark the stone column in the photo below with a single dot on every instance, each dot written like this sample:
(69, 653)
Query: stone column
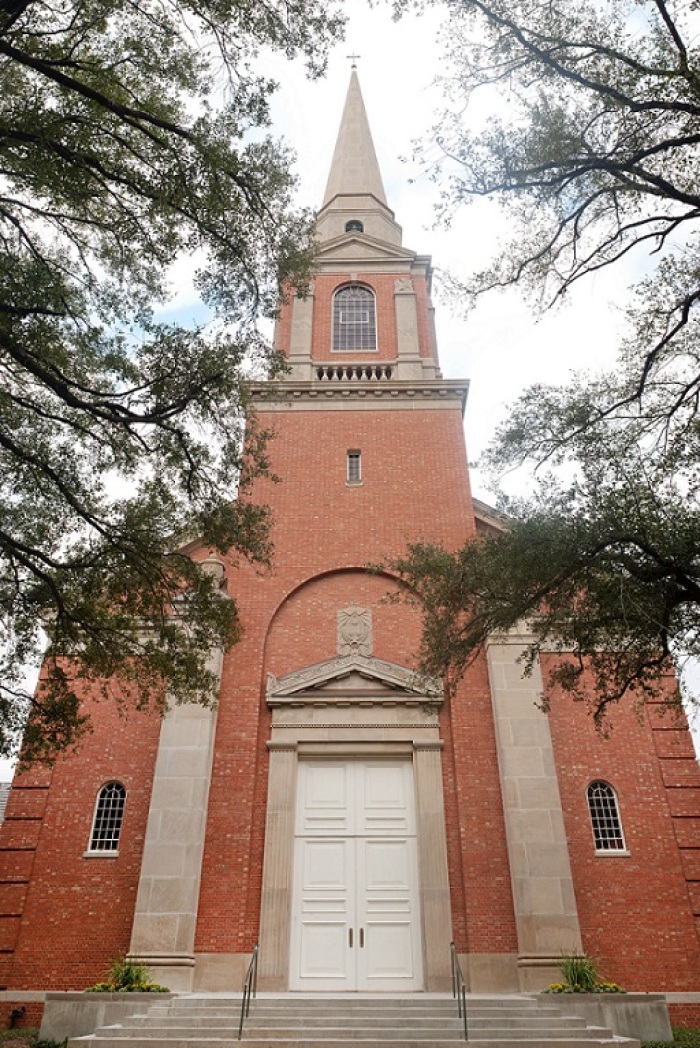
(165, 917)
(410, 365)
(300, 337)
(433, 875)
(543, 893)
(276, 901)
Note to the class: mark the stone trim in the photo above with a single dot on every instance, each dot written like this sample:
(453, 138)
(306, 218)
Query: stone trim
(301, 708)
(321, 673)
(165, 915)
(348, 725)
(544, 902)
(396, 394)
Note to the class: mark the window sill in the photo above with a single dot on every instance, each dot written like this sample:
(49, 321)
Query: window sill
(101, 854)
(612, 853)
(353, 483)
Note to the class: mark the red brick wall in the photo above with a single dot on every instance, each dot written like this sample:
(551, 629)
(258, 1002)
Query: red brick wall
(635, 911)
(482, 900)
(684, 1014)
(414, 485)
(63, 917)
(32, 1014)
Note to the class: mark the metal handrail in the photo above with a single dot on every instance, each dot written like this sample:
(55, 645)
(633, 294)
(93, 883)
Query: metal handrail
(459, 988)
(250, 988)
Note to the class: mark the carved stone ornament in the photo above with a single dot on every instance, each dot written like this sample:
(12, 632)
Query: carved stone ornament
(403, 284)
(355, 631)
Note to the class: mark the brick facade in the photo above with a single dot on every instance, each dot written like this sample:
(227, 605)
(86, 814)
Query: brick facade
(638, 910)
(64, 916)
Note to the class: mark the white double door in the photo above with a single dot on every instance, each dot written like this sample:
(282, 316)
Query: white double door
(355, 919)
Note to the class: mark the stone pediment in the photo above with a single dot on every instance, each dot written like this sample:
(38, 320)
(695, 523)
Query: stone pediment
(353, 677)
(361, 246)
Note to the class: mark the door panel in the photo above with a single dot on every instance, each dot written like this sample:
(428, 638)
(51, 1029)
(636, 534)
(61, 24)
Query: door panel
(355, 920)
(385, 796)
(325, 804)
(325, 896)
(387, 910)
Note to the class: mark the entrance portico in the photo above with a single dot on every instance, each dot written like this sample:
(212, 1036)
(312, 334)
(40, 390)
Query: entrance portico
(356, 724)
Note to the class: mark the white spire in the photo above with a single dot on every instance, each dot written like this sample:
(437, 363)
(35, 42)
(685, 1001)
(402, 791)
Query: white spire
(354, 168)
(355, 198)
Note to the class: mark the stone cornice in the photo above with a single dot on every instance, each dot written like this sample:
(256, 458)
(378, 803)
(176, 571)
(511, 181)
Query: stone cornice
(290, 687)
(328, 395)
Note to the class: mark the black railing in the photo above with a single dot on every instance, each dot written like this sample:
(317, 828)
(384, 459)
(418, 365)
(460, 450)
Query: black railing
(459, 988)
(250, 989)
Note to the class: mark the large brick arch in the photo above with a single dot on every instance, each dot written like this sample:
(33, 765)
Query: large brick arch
(303, 630)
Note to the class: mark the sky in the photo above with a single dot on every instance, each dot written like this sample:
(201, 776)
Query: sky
(502, 347)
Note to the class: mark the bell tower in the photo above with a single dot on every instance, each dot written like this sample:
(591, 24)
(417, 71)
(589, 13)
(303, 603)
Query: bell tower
(367, 322)
(369, 448)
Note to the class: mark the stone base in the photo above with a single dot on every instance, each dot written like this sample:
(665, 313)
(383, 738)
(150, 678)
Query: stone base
(490, 972)
(643, 1016)
(221, 972)
(176, 971)
(535, 972)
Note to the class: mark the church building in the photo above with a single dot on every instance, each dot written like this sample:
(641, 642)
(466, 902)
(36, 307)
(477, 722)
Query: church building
(336, 807)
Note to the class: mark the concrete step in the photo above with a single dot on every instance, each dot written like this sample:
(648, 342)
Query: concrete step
(263, 1008)
(453, 1031)
(277, 1019)
(415, 1021)
(321, 1002)
(600, 1037)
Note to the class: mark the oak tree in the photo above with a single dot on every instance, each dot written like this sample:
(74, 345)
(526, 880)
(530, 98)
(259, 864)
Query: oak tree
(133, 138)
(591, 147)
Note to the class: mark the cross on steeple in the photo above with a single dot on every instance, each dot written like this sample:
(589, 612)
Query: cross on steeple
(353, 59)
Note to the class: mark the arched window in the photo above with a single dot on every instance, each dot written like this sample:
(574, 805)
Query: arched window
(605, 817)
(354, 319)
(109, 812)
(354, 226)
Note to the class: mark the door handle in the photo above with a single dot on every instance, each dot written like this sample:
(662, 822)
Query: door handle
(362, 937)
(350, 937)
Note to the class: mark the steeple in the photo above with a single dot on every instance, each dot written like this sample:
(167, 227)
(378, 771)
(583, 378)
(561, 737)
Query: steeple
(355, 191)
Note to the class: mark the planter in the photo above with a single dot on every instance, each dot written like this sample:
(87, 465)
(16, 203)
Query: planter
(640, 1015)
(77, 1014)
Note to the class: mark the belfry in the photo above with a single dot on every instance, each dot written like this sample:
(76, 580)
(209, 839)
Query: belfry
(335, 807)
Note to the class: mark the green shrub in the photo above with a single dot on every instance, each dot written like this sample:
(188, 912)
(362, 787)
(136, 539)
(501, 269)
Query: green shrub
(683, 1037)
(580, 973)
(686, 1036)
(125, 976)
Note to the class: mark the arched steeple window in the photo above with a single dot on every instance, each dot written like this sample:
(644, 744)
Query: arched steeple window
(354, 319)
